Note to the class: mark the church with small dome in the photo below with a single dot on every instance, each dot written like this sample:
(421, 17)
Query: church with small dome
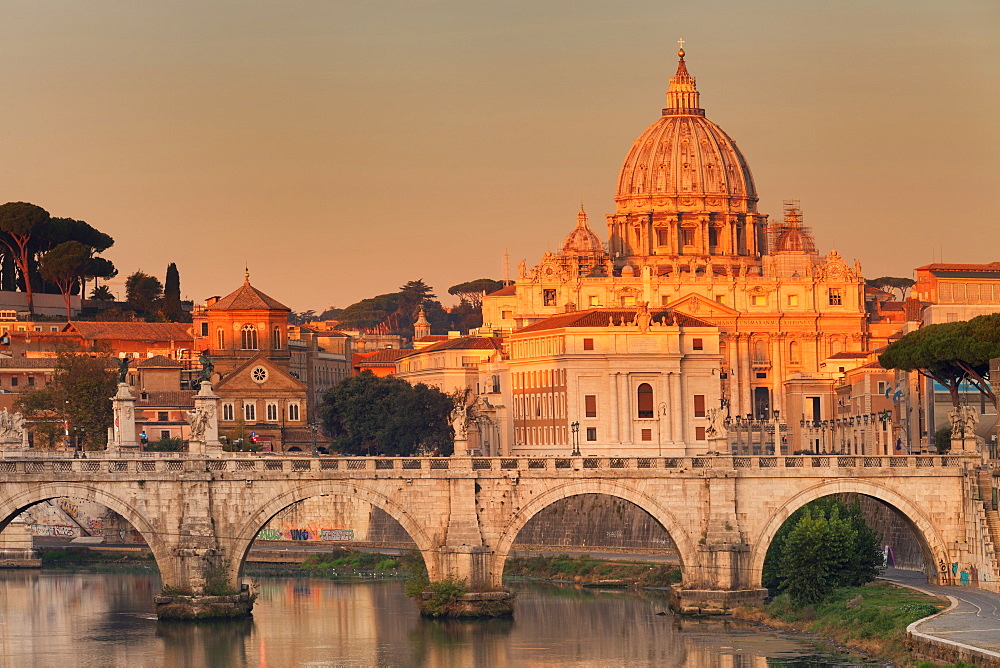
(686, 237)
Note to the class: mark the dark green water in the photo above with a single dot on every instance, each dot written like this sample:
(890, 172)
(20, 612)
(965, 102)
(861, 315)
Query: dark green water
(63, 620)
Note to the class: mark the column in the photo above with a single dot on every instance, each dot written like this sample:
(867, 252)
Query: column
(613, 391)
(677, 409)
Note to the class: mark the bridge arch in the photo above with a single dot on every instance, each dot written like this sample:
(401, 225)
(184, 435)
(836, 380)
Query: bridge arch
(678, 533)
(12, 506)
(931, 543)
(264, 513)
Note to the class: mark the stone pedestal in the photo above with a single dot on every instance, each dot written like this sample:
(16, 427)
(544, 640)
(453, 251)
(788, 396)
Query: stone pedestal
(123, 430)
(204, 421)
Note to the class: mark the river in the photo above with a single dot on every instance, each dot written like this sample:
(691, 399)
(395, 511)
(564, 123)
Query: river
(65, 619)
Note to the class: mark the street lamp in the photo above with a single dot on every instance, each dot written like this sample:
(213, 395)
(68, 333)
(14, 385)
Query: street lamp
(313, 427)
(575, 426)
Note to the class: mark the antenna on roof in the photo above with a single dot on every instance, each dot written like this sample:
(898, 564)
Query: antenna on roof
(506, 268)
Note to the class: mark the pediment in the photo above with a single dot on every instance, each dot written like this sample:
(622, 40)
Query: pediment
(248, 375)
(701, 307)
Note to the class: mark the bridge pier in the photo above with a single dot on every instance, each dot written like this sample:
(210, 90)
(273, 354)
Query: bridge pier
(718, 581)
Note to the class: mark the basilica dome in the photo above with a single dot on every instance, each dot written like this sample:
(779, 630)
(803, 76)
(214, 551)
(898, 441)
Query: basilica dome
(685, 162)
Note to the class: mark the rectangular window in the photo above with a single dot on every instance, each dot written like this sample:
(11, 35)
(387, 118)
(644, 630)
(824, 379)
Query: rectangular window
(647, 434)
(793, 300)
(164, 433)
(14, 381)
(250, 412)
(590, 405)
(591, 433)
(699, 405)
(272, 412)
(204, 328)
(758, 300)
(227, 411)
(697, 344)
(162, 416)
(505, 315)
(881, 387)
(588, 344)
(628, 300)
(699, 433)
(293, 412)
(662, 237)
(687, 236)
(721, 299)
(835, 297)
(593, 300)
(549, 297)
(31, 380)
(762, 374)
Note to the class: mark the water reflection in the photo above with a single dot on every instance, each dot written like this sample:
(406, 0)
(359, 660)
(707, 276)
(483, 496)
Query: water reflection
(51, 619)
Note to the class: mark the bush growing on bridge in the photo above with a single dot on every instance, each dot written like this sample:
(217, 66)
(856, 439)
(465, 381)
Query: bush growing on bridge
(823, 546)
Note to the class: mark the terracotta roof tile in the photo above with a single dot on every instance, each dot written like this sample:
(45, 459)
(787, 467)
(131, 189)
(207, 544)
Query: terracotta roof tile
(508, 291)
(605, 317)
(159, 362)
(132, 331)
(248, 298)
(28, 363)
(383, 357)
(462, 343)
(848, 355)
(168, 399)
(945, 266)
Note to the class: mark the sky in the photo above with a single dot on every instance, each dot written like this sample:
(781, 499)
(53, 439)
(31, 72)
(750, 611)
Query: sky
(339, 148)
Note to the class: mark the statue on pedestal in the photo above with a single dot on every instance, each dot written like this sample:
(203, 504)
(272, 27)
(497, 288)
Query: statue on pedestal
(207, 367)
(11, 427)
(199, 420)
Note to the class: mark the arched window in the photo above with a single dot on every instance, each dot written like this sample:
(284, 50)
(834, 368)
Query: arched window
(759, 351)
(249, 337)
(276, 342)
(220, 335)
(793, 352)
(644, 396)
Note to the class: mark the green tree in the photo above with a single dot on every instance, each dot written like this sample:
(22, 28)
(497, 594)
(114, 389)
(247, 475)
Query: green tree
(950, 353)
(65, 266)
(367, 415)
(890, 283)
(171, 304)
(824, 545)
(20, 222)
(80, 392)
(472, 291)
(102, 293)
(143, 292)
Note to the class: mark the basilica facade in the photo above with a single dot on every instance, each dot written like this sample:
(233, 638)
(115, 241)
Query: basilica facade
(686, 237)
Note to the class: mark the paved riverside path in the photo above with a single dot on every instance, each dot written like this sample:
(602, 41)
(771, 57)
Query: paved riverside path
(975, 621)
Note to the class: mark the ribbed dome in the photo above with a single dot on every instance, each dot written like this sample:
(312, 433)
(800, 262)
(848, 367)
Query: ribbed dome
(793, 240)
(685, 162)
(582, 240)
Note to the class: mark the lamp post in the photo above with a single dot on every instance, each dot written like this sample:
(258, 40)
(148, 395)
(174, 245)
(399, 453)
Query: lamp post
(313, 427)
(575, 426)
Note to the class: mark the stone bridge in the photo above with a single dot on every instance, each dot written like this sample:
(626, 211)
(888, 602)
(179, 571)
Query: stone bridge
(201, 514)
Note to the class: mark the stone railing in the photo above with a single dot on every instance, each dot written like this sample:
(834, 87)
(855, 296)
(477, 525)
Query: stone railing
(40, 462)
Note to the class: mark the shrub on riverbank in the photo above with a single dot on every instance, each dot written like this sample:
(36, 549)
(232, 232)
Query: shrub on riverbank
(824, 545)
(872, 618)
(585, 570)
(98, 561)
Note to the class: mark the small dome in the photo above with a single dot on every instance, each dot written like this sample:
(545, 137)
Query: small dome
(582, 240)
(793, 240)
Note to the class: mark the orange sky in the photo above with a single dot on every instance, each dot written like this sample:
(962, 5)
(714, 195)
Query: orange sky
(342, 148)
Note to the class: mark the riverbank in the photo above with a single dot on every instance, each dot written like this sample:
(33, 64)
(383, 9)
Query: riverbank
(584, 570)
(871, 619)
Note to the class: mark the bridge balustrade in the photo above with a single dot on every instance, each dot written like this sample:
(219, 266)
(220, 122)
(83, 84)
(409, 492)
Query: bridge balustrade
(33, 463)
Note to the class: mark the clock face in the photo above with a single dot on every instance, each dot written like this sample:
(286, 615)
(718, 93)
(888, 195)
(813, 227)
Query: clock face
(259, 374)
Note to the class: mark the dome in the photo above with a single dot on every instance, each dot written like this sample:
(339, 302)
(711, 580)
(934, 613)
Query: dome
(685, 162)
(582, 240)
